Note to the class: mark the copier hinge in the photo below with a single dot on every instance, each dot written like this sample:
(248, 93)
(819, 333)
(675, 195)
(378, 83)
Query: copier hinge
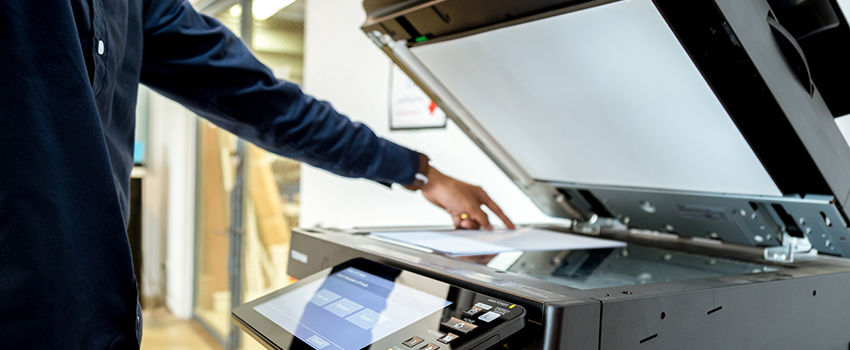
(379, 38)
(595, 224)
(792, 249)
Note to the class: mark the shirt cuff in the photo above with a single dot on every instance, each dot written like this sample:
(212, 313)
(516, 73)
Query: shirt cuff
(424, 166)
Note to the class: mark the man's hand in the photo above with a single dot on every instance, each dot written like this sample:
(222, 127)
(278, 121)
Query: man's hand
(462, 200)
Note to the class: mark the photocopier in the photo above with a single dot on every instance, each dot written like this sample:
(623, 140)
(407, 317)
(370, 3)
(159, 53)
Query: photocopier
(702, 133)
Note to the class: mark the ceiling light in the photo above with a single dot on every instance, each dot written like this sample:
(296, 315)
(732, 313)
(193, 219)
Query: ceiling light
(264, 9)
(236, 10)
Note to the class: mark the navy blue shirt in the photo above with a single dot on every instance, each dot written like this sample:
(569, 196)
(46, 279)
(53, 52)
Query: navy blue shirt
(69, 74)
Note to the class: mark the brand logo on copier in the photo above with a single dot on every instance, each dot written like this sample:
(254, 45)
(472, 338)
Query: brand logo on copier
(298, 256)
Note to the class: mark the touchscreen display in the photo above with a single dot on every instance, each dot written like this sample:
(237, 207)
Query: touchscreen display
(349, 310)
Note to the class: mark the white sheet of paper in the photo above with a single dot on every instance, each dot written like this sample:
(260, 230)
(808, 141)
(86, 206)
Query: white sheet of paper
(465, 242)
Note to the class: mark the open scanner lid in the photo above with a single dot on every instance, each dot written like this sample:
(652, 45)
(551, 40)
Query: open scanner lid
(703, 118)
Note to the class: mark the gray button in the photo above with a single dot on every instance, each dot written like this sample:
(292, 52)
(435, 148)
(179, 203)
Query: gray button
(473, 311)
(317, 342)
(100, 47)
(459, 325)
(323, 297)
(448, 338)
(366, 318)
(413, 342)
(343, 307)
(490, 316)
(430, 346)
(483, 306)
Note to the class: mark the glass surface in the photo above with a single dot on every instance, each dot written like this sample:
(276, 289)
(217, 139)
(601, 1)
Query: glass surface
(214, 186)
(349, 310)
(271, 189)
(609, 88)
(630, 265)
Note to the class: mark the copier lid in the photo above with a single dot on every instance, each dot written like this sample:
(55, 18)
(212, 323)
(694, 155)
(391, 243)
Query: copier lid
(602, 96)
(598, 107)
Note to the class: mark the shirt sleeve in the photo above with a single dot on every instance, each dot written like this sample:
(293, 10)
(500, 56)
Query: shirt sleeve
(196, 61)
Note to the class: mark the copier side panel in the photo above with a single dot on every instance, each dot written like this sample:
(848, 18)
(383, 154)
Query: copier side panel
(573, 328)
(794, 313)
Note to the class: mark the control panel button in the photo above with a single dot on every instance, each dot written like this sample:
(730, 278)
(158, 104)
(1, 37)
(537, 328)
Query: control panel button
(430, 346)
(413, 342)
(489, 316)
(483, 306)
(473, 311)
(448, 338)
(459, 325)
(317, 342)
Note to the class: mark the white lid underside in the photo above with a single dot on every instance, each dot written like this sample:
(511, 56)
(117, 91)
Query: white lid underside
(602, 96)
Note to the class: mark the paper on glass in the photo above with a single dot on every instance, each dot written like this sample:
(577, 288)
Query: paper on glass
(466, 242)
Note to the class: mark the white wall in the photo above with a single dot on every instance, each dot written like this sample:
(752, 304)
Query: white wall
(154, 200)
(168, 211)
(342, 66)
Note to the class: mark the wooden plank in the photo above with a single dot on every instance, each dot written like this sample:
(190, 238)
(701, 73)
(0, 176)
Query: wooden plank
(274, 229)
(214, 223)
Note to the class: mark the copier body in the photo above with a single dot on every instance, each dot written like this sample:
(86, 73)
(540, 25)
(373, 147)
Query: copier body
(793, 306)
(700, 132)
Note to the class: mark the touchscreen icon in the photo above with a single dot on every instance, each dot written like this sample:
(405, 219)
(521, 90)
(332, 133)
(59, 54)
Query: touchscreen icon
(317, 342)
(343, 307)
(366, 319)
(323, 297)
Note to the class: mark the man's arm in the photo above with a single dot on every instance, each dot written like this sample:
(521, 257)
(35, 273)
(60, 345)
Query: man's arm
(196, 61)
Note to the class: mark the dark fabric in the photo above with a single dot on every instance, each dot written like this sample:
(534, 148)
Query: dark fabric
(66, 145)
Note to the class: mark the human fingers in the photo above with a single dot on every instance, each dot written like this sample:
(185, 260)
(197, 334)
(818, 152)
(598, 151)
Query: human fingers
(485, 199)
(469, 223)
(457, 220)
(481, 218)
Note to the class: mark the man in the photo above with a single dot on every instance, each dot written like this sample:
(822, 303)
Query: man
(68, 80)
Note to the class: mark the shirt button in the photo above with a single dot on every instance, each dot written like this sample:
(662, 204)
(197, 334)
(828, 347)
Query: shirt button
(100, 47)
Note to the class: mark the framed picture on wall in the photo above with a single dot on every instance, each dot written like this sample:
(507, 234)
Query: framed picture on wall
(410, 107)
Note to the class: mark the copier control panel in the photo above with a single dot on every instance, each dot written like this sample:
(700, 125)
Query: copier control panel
(462, 326)
(361, 304)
